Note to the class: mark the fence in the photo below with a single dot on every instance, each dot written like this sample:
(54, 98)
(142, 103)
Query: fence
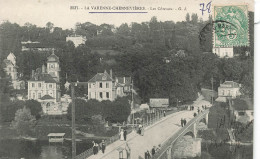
(150, 120)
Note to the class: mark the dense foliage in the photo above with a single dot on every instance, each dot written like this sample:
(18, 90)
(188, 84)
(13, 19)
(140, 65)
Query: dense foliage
(116, 111)
(138, 50)
(23, 121)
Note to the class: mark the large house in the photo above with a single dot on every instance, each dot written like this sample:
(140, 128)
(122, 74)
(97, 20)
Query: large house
(11, 70)
(77, 39)
(44, 84)
(103, 87)
(223, 52)
(228, 89)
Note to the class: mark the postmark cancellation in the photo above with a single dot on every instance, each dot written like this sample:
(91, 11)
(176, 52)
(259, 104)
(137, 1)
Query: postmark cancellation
(231, 26)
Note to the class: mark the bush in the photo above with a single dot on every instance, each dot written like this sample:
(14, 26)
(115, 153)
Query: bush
(116, 111)
(8, 110)
(35, 107)
(23, 121)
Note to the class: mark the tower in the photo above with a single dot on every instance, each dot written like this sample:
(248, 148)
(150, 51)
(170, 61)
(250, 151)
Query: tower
(53, 66)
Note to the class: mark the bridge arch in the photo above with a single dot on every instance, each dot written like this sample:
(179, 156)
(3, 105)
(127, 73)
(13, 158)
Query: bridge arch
(189, 133)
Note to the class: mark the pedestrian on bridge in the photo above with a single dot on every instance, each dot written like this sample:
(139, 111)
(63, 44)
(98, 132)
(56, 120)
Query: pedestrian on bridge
(125, 133)
(153, 150)
(182, 122)
(147, 155)
(121, 135)
(103, 146)
(164, 113)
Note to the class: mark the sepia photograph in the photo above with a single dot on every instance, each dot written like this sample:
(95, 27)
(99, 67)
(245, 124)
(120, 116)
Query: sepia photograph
(126, 79)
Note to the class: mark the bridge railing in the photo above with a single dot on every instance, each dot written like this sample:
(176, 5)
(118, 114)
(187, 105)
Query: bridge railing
(114, 138)
(166, 146)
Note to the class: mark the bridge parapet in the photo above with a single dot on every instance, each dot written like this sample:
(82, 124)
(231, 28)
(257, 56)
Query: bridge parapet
(166, 147)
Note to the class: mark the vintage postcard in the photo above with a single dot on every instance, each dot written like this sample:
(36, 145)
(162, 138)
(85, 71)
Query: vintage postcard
(126, 79)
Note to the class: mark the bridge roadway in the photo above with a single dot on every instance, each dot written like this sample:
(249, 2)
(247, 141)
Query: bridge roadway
(153, 135)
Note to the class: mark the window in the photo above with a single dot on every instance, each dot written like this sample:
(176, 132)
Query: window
(223, 92)
(100, 85)
(252, 113)
(10, 69)
(33, 85)
(39, 85)
(229, 92)
(107, 85)
(33, 96)
(39, 95)
(107, 94)
(50, 85)
(89, 85)
(100, 95)
(241, 113)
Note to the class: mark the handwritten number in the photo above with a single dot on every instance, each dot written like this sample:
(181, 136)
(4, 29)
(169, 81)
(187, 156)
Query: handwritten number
(207, 8)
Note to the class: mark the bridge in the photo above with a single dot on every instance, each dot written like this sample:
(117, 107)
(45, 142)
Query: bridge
(165, 132)
(167, 151)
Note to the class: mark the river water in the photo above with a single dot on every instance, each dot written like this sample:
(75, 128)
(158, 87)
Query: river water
(225, 151)
(16, 149)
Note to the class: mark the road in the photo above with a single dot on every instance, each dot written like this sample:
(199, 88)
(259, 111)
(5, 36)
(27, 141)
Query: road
(153, 135)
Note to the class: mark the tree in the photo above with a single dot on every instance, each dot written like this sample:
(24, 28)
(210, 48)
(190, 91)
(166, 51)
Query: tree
(187, 17)
(35, 108)
(194, 18)
(23, 122)
(8, 110)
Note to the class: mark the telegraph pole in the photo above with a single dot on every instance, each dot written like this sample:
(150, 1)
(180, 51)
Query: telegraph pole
(73, 121)
(212, 93)
(133, 102)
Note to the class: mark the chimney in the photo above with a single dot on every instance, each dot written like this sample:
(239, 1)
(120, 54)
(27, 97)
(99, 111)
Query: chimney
(32, 73)
(111, 73)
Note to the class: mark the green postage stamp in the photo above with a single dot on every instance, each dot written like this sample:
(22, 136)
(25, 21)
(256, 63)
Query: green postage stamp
(230, 26)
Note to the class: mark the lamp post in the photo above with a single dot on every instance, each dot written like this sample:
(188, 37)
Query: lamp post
(73, 120)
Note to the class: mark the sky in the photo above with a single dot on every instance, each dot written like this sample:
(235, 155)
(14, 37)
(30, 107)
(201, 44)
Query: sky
(39, 12)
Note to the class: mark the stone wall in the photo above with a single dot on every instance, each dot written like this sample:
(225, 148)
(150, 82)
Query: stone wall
(186, 147)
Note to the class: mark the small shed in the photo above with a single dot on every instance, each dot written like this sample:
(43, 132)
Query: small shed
(56, 137)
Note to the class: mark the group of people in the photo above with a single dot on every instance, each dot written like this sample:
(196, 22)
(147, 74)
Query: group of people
(183, 122)
(96, 147)
(148, 155)
(140, 130)
(123, 135)
(191, 107)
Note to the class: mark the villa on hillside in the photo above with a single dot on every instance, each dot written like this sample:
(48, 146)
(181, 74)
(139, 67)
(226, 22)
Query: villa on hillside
(44, 86)
(76, 39)
(11, 70)
(223, 52)
(103, 87)
(228, 89)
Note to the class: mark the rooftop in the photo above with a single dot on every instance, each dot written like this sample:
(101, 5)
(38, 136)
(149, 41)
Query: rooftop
(230, 83)
(101, 77)
(55, 134)
(47, 97)
(47, 78)
(242, 104)
(53, 58)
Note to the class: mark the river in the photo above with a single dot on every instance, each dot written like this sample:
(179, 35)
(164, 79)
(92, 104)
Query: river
(19, 148)
(225, 151)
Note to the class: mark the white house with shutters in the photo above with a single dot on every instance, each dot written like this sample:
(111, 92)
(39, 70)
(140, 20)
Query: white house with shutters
(44, 84)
